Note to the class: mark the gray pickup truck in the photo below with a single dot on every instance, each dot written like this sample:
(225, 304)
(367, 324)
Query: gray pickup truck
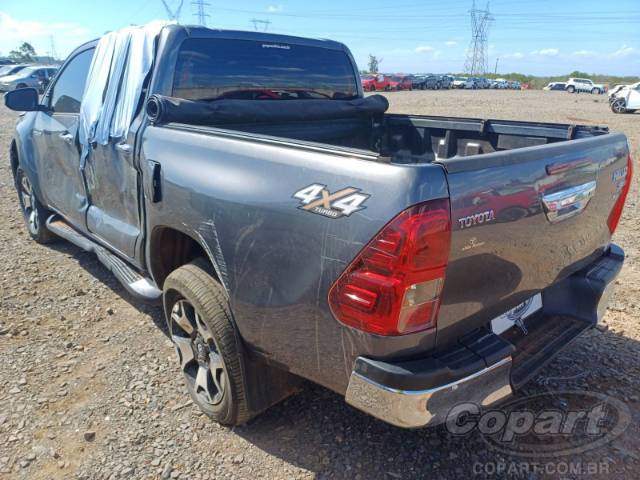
(295, 230)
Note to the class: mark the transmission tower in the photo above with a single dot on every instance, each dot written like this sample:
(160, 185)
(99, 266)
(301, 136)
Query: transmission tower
(200, 13)
(477, 62)
(173, 14)
(257, 22)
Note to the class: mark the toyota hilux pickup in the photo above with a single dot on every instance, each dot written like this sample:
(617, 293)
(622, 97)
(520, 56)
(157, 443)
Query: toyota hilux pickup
(293, 229)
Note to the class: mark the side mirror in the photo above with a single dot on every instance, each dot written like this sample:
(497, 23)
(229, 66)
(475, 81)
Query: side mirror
(23, 100)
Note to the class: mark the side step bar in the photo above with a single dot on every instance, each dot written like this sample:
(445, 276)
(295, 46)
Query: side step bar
(137, 285)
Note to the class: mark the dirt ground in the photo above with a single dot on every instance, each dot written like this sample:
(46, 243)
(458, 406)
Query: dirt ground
(90, 388)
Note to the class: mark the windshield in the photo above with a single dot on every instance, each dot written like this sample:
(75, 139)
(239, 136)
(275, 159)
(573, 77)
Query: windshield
(461, 79)
(209, 69)
(5, 70)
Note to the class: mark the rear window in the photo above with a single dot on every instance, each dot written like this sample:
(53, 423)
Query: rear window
(208, 69)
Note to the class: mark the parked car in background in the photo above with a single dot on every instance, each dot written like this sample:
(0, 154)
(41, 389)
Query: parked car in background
(402, 82)
(383, 83)
(34, 76)
(584, 85)
(626, 100)
(501, 83)
(515, 85)
(432, 82)
(463, 82)
(483, 83)
(11, 69)
(368, 83)
(419, 82)
(617, 88)
(445, 81)
(556, 86)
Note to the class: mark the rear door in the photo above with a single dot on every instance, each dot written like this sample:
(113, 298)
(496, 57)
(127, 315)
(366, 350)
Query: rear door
(524, 219)
(114, 204)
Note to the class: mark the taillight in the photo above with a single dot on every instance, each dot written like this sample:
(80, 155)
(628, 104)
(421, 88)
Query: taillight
(393, 286)
(616, 211)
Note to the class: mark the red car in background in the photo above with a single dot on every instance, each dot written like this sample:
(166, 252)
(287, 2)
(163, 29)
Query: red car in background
(383, 82)
(368, 83)
(402, 82)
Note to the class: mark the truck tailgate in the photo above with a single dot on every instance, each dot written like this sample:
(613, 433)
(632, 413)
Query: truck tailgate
(522, 220)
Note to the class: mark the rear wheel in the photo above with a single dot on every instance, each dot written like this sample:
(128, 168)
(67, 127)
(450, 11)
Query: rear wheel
(208, 348)
(594, 91)
(35, 215)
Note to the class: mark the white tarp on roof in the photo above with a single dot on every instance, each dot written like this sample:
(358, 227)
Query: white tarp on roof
(120, 64)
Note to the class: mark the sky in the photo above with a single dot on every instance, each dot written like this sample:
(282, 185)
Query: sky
(539, 37)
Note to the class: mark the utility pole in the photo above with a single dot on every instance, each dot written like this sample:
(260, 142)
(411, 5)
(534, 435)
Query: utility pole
(265, 24)
(200, 12)
(173, 14)
(496, 71)
(477, 62)
(52, 44)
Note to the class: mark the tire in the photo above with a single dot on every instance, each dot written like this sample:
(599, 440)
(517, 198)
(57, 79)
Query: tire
(594, 91)
(571, 89)
(209, 349)
(619, 106)
(34, 214)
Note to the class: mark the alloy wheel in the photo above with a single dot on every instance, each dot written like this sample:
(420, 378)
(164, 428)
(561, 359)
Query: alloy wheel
(198, 354)
(28, 203)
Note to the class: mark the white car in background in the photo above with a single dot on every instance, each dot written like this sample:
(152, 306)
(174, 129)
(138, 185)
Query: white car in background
(462, 82)
(614, 91)
(626, 100)
(583, 85)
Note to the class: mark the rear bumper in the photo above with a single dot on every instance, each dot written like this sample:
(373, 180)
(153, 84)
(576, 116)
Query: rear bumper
(483, 367)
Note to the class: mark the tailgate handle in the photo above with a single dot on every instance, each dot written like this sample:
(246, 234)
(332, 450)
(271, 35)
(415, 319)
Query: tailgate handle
(568, 203)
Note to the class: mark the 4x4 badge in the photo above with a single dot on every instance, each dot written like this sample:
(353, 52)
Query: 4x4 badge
(315, 198)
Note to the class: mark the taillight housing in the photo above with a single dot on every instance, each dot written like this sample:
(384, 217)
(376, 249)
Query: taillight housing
(616, 211)
(393, 286)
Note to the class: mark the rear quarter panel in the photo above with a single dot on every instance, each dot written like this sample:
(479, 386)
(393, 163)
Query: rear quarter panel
(276, 260)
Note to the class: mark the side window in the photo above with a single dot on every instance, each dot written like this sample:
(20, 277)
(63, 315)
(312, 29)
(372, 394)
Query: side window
(67, 91)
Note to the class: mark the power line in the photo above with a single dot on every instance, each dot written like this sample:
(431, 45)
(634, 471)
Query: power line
(200, 14)
(478, 53)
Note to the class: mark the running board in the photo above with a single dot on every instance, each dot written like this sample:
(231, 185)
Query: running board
(137, 285)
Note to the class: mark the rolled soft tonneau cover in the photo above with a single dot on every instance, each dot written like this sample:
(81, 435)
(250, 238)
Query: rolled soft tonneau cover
(162, 109)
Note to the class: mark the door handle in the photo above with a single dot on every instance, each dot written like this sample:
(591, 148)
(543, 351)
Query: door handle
(67, 137)
(569, 202)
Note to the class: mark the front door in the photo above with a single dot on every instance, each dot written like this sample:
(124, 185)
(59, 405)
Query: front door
(55, 136)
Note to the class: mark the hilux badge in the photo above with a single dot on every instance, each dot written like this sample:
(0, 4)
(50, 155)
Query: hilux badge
(315, 198)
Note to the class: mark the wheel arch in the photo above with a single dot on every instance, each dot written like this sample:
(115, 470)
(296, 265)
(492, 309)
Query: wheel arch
(170, 248)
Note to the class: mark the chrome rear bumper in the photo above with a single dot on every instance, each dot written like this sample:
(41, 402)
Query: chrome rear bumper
(420, 408)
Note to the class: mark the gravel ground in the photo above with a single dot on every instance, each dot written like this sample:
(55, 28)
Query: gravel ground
(90, 388)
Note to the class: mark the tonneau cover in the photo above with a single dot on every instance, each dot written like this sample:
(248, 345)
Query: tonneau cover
(162, 109)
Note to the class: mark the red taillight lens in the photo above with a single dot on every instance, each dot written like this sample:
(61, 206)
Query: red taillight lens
(393, 286)
(616, 211)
